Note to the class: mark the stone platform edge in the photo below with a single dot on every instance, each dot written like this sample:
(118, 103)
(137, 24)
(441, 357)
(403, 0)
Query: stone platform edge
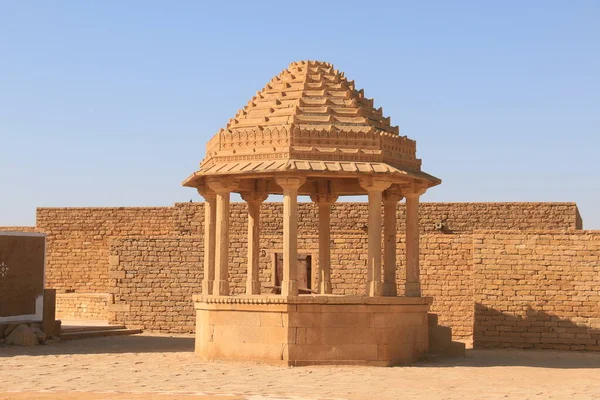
(312, 299)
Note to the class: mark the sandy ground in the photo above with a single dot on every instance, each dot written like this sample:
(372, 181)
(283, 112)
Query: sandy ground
(164, 367)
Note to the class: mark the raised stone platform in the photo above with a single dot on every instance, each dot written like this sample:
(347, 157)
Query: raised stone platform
(312, 329)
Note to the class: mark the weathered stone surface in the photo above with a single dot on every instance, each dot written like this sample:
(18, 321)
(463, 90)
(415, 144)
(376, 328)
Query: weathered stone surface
(9, 329)
(82, 306)
(51, 340)
(41, 336)
(2, 329)
(537, 289)
(22, 335)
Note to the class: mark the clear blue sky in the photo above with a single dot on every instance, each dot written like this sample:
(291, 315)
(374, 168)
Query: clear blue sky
(110, 103)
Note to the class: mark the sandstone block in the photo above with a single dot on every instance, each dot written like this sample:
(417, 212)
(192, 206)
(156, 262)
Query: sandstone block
(22, 335)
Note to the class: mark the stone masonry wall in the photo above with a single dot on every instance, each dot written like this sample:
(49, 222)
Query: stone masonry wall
(77, 241)
(152, 281)
(153, 278)
(78, 244)
(537, 289)
(81, 306)
(77, 252)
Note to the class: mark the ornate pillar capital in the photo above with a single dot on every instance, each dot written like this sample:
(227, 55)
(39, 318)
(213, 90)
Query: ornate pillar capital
(324, 198)
(206, 192)
(374, 184)
(323, 192)
(414, 190)
(290, 182)
(222, 185)
(392, 195)
(254, 197)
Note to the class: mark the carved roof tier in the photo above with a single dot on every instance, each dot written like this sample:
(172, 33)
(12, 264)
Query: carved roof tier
(310, 113)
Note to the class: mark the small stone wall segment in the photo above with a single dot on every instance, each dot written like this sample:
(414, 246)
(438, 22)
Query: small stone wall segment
(77, 244)
(18, 229)
(82, 306)
(537, 290)
(152, 281)
(578, 220)
(447, 276)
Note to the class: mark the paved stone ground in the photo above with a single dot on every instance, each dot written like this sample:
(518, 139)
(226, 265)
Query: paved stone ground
(165, 368)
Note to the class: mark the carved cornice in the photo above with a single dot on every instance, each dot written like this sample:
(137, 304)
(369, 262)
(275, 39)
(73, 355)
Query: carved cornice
(315, 299)
(240, 300)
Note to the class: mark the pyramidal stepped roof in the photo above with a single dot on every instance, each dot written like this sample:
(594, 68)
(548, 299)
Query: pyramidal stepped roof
(311, 95)
(308, 117)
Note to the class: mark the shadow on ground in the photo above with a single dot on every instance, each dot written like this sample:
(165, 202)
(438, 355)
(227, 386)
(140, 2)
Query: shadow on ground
(518, 358)
(114, 345)
(146, 343)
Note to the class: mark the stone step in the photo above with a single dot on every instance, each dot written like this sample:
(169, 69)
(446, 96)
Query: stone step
(454, 349)
(98, 333)
(432, 319)
(439, 337)
(73, 329)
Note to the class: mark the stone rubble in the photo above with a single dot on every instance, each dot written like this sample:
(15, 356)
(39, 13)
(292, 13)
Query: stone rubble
(24, 334)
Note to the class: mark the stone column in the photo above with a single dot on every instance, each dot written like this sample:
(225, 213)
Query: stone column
(390, 204)
(209, 239)
(222, 188)
(374, 188)
(324, 200)
(254, 201)
(413, 281)
(49, 325)
(290, 186)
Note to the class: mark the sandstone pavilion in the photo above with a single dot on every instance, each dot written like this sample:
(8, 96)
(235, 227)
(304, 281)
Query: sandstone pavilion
(309, 131)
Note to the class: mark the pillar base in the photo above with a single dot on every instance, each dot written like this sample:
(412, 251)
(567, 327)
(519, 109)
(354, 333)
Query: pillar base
(325, 287)
(223, 288)
(253, 287)
(390, 289)
(207, 287)
(374, 288)
(412, 289)
(289, 288)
